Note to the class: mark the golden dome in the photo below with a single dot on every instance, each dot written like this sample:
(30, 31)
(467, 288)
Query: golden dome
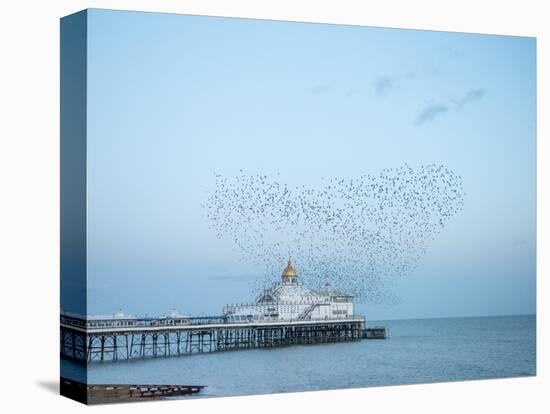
(289, 270)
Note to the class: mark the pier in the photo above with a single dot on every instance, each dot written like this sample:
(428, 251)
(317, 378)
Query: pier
(88, 339)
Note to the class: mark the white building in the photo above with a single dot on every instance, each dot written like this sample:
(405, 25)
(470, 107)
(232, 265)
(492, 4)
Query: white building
(290, 300)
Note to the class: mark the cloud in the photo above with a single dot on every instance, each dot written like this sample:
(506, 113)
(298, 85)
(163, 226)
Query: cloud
(320, 89)
(451, 53)
(430, 113)
(472, 96)
(433, 111)
(411, 74)
(519, 241)
(230, 277)
(383, 84)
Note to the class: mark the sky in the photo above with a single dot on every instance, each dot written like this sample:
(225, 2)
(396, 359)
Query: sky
(173, 99)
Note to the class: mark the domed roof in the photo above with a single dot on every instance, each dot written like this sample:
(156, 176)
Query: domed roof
(289, 270)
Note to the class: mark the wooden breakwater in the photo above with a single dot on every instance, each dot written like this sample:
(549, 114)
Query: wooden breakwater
(113, 393)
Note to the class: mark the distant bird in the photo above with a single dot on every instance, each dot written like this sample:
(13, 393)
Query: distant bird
(362, 234)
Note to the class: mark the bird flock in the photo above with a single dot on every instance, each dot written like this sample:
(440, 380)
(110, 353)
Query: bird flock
(362, 234)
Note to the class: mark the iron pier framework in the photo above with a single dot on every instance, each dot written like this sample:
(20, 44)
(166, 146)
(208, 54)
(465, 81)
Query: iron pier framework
(86, 340)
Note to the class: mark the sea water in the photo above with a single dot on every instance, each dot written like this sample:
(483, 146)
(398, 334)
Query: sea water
(417, 351)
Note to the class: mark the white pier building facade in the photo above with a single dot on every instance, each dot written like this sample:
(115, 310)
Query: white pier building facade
(290, 300)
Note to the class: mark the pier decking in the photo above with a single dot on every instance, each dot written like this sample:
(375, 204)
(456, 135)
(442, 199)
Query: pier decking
(90, 340)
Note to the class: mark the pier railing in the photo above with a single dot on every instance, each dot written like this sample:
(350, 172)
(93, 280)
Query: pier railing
(125, 322)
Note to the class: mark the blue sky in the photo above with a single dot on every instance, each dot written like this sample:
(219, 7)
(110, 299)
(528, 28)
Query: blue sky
(173, 98)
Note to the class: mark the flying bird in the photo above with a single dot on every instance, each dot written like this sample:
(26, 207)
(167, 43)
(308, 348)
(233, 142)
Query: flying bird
(363, 233)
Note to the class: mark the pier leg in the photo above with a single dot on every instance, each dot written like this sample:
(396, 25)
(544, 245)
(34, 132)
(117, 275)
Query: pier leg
(102, 347)
(115, 348)
(88, 351)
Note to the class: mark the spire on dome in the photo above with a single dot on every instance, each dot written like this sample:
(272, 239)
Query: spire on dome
(289, 270)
